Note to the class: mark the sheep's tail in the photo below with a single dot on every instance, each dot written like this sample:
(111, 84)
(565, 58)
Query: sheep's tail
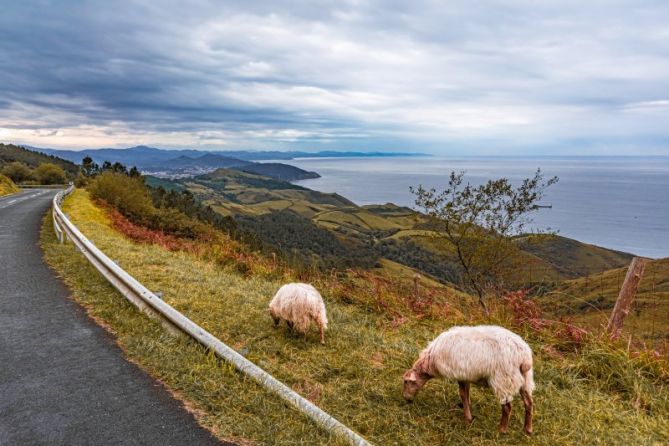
(528, 375)
(318, 315)
(323, 320)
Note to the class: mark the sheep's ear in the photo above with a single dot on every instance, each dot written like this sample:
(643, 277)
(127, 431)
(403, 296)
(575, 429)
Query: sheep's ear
(410, 376)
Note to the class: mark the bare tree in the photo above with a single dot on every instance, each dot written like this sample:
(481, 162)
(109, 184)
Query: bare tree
(479, 222)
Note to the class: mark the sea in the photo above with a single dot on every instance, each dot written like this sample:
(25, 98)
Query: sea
(620, 203)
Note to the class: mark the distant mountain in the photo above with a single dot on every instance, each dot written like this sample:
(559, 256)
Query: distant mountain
(189, 162)
(217, 160)
(208, 160)
(140, 156)
(279, 171)
(143, 156)
(187, 166)
(277, 155)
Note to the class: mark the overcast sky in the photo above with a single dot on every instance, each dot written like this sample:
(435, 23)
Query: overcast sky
(505, 77)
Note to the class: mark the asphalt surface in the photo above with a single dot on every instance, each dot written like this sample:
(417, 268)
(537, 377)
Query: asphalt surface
(63, 380)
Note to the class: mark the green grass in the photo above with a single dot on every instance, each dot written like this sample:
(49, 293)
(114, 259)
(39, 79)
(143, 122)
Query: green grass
(572, 258)
(7, 186)
(589, 398)
(357, 218)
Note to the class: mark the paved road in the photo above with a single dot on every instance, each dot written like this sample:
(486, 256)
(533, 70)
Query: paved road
(63, 381)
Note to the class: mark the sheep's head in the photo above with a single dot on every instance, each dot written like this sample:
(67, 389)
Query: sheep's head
(413, 382)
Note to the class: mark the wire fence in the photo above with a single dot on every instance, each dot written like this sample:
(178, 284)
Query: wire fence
(587, 300)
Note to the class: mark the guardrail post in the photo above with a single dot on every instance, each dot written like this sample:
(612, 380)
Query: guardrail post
(57, 229)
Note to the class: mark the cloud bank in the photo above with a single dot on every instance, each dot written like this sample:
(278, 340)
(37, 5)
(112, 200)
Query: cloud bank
(506, 77)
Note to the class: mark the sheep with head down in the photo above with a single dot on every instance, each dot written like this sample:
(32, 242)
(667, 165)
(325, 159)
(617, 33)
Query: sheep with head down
(299, 304)
(480, 354)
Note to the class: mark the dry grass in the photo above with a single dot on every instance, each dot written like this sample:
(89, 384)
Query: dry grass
(7, 186)
(596, 396)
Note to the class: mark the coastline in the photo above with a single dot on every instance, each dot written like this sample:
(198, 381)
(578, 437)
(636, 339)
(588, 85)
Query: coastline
(611, 202)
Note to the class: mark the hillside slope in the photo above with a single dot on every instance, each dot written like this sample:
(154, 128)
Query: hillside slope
(571, 257)
(394, 232)
(279, 171)
(10, 153)
(184, 167)
(232, 191)
(587, 397)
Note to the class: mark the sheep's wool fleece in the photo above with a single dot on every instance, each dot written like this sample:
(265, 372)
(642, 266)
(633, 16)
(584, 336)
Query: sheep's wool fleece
(299, 303)
(483, 353)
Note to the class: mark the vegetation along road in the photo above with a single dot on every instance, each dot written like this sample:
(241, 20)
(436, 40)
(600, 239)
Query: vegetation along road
(63, 380)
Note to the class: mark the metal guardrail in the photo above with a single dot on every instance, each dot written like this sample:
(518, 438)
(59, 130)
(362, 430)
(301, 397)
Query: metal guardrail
(42, 186)
(177, 323)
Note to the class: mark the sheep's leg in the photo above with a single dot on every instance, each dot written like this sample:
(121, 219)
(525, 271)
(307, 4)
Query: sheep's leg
(506, 414)
(466, 402)
(276, 320)
(322, 329)
(290, 324)
(527, 400)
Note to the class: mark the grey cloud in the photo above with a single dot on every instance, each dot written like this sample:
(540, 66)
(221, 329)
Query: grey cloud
(367, 74)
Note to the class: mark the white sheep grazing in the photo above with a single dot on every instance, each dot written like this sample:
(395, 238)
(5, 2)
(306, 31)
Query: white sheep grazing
(480, 354)
(299, 304)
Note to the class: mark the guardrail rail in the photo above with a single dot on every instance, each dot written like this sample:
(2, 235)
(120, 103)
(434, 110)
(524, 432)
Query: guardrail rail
(149, 303)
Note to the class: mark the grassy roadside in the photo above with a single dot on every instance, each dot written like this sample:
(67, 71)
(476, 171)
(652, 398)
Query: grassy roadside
(599, 396)
(221, 399)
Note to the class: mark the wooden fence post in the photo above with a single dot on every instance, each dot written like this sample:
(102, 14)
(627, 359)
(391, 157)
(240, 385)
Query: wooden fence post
(416, 285)
(626, 296)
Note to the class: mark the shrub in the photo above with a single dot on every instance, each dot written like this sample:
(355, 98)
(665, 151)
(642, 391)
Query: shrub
(175, 222)
(48, 173)
(185, 202)
(127, 194)
(17, 172)
(81, 180)
(131, 197)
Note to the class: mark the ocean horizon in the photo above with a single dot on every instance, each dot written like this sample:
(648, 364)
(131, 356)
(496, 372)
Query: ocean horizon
(617, 202)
